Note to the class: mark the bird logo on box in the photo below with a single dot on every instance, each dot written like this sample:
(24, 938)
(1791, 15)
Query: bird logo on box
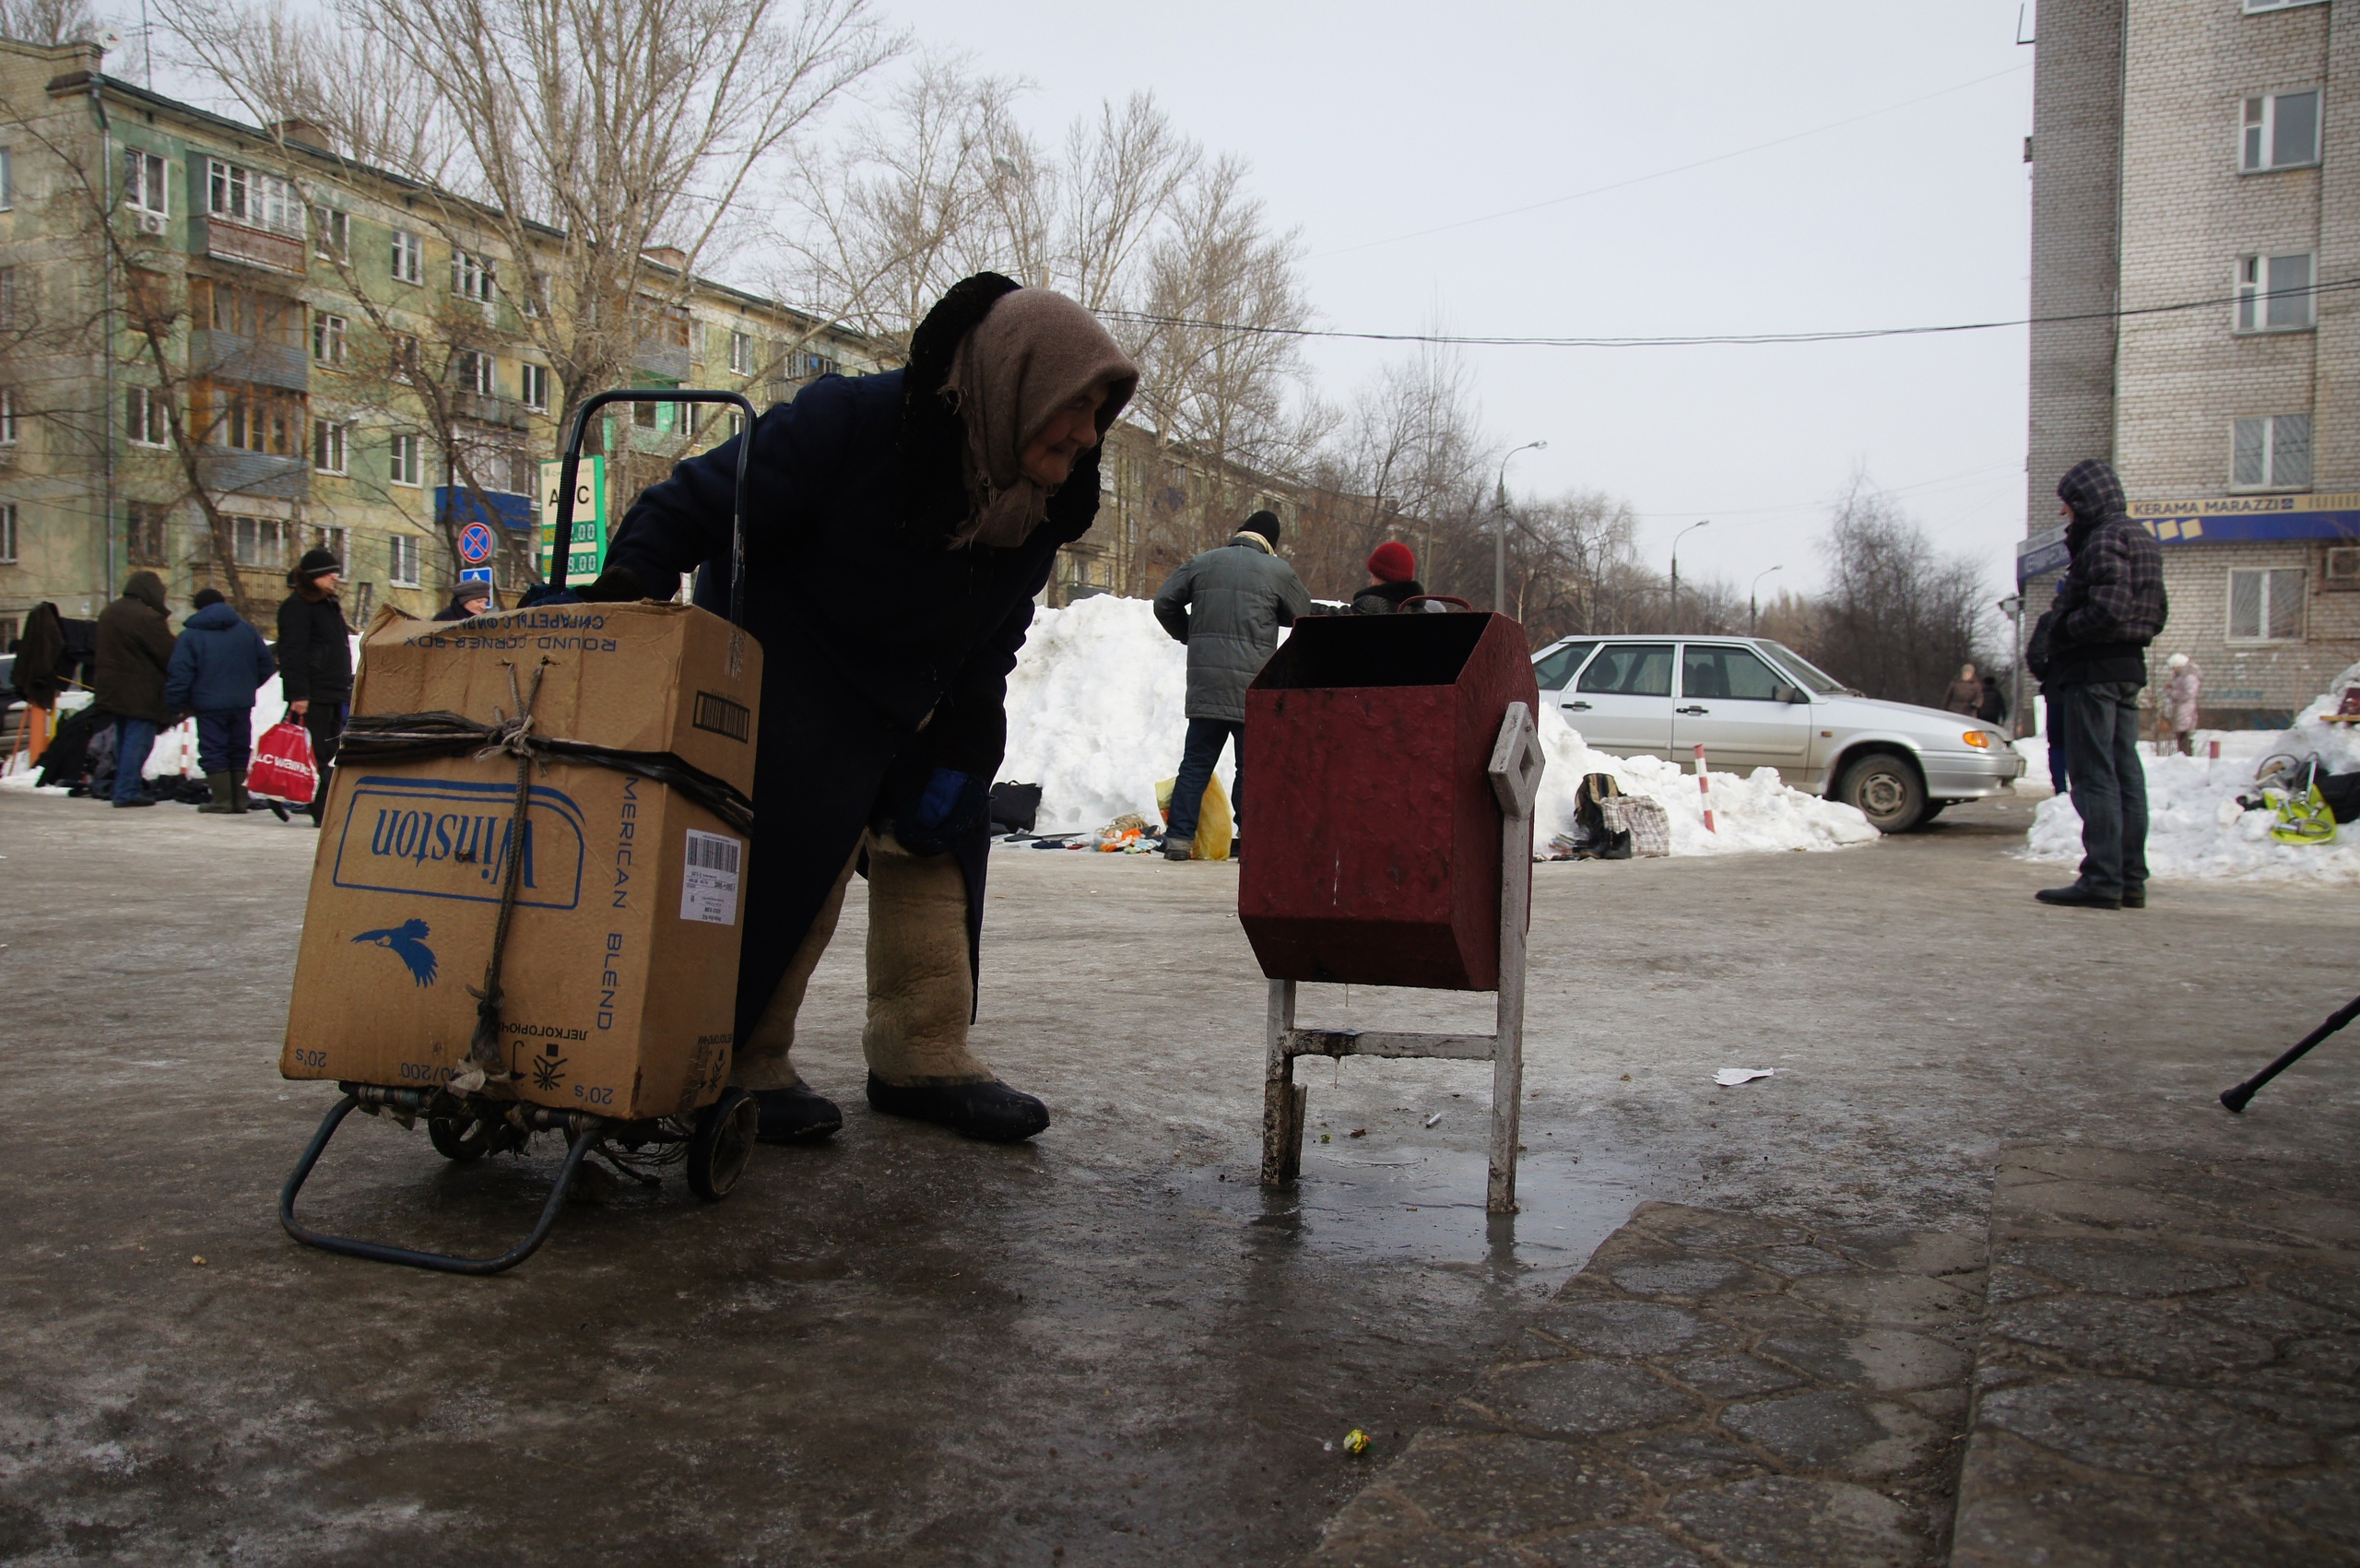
(409, 942)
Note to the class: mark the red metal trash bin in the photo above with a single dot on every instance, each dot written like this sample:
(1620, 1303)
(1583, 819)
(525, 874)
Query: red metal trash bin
(1377, 850)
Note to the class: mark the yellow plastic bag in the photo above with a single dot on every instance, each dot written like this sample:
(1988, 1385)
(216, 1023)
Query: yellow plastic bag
(1212, 818)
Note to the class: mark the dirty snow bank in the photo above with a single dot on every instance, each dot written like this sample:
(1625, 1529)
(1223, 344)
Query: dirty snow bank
(1096, 716)
(2195, 828)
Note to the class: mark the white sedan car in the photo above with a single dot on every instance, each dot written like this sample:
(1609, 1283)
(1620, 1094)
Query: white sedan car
(1755, 704)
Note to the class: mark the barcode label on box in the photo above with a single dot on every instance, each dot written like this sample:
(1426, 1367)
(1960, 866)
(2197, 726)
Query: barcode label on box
(709, 878)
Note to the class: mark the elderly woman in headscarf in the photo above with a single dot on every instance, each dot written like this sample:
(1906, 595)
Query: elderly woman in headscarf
(898, 528)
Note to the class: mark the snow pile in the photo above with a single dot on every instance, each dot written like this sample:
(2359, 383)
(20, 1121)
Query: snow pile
(1758, 813)
(1096, 712)
(2195, 827)
(1095, 717)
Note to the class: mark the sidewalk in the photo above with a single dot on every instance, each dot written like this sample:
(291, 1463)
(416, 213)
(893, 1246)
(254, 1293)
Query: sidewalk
(2172, 1372)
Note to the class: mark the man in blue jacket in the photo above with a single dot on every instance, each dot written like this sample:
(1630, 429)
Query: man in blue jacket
(217, 666)
(898, 528)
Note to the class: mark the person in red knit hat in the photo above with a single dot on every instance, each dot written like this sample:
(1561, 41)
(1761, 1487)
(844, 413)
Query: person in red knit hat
(1396, 573)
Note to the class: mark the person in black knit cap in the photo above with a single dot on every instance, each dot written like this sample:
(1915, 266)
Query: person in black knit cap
(932, 500)
(315, 660)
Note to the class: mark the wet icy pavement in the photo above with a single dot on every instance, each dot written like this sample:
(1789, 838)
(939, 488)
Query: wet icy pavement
(908, 1348)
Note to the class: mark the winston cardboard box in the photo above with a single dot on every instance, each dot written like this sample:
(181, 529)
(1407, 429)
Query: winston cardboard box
(618, 985)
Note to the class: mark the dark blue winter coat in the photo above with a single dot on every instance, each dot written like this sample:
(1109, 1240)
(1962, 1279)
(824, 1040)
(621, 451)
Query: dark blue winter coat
(869, 621)
(217, 664)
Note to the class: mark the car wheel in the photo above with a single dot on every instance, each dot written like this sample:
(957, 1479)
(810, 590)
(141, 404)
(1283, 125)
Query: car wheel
(1886, 790)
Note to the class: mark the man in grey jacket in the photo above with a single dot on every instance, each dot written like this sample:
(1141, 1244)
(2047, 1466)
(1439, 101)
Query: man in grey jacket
(1227, 606)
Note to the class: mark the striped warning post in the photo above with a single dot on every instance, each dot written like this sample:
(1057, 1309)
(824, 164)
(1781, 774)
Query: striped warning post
(1705, 788)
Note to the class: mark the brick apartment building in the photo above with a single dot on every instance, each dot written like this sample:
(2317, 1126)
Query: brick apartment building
(2206, 154)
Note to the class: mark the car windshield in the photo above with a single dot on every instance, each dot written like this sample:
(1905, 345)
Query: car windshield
(1819, 681)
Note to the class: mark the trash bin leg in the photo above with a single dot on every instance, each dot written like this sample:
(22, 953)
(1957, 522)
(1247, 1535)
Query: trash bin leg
(1282, 1097)
(1516, 770)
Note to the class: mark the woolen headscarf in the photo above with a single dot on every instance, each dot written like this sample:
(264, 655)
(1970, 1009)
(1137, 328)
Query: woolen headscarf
(1032, 353)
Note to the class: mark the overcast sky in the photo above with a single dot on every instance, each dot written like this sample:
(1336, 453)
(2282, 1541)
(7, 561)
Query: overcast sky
(1368, 120)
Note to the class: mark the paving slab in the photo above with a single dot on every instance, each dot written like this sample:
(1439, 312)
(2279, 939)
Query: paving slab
(2170, 1368)
(1714, 1388)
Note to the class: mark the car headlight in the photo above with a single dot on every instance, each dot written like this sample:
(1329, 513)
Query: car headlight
(1978, 738)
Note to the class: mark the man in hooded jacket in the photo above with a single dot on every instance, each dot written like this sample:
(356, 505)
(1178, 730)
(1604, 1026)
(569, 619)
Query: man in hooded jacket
(950, 484)
(1227, 605)
(135, 648)
(2110, 604)
(218, 664)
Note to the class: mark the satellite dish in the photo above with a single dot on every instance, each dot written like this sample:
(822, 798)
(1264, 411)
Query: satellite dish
(111, 38)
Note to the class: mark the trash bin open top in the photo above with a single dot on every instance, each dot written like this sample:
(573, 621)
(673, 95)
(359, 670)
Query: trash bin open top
(1373, 650)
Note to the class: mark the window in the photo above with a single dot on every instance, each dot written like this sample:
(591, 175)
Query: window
(1631, 670)
(338, 542)
(259, 541)
(8, 545)
(674, 326)
(471, 276)
(2275, 294)
(474, 371)
(327, 445)
(2271, 454)
(2282, 131)
(1555, 672)
(814, 366)
(143, 182)
(332, 240)
(327, 340)
(741, 353)
(2253, 6)
(247, 312)
(403, 363)
(8, 417)
(406, 465)
(8, 180)
(7, 296)
(405, 561)
(410, 257)
(1727, 674)
(535, 292)
(2266, 606)
(143, 417)
(258, 419)
(142, 532)
(536, 386)
(248, 196)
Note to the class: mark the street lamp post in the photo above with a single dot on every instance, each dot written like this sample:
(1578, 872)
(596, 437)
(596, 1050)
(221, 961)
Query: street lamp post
(2012, 607)
(1500, 531)
(1752, 601)
(1700, 523)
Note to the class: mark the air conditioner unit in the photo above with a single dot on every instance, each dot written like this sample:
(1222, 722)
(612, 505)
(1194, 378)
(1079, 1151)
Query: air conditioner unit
(152, 222)
(2343, 567)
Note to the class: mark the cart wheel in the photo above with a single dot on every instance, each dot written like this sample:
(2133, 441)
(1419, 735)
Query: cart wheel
(723, 1142)
(462, 1138)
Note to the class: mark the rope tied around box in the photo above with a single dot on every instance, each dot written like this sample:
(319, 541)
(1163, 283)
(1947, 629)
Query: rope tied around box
(444, 733)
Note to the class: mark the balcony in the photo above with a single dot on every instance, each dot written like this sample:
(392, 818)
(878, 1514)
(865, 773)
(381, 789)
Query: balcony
(229, 471)
(484, 408)
(229, 242)
(231, 357)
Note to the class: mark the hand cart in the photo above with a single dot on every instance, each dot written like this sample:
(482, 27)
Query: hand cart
(464, 1124)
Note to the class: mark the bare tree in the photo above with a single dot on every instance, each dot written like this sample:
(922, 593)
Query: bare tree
(1896, 619)
(578, 134)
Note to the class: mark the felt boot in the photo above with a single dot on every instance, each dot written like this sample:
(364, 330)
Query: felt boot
(921, 996)
(239, 801)
(791, 1111)
(222, 802)
(1179, 849)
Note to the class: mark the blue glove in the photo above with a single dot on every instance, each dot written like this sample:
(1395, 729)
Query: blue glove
(547, 594)
(950, 806)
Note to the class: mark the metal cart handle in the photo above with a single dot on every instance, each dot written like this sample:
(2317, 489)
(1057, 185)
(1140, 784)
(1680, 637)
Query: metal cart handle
(568, 475)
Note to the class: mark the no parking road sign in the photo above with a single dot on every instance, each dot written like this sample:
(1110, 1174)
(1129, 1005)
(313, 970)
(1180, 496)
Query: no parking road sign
(475, 544)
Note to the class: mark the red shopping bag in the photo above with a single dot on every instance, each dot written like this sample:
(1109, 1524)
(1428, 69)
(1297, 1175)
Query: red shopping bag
(283, 769)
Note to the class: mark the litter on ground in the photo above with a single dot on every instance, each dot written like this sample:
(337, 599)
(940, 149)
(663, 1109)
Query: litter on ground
(1729, 1078)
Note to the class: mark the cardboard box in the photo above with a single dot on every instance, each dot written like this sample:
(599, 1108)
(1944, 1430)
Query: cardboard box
(618, 985)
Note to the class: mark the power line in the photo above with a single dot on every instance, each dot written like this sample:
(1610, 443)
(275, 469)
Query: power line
(1730, 339)
(1663, 173)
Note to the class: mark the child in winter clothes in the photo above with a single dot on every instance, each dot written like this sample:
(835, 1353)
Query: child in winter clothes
(217, 666)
